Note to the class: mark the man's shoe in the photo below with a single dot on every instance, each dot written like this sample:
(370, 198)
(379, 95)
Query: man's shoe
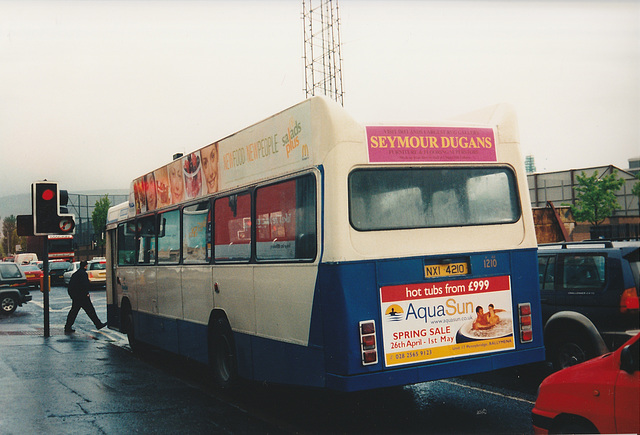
(102, 325)
(69, 331)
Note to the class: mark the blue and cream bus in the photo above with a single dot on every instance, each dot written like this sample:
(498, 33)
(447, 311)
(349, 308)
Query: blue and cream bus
(308, 249)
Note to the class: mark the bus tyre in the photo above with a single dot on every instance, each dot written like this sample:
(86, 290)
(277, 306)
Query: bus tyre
(8, 304)
(571, 349)
(222, 358)
(131, 333)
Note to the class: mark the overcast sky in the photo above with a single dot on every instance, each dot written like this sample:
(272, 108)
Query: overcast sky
(95, 94)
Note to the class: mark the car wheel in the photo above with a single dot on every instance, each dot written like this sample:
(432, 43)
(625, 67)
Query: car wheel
(222, 359)
(8, 304)
(571, 349)
(573, 426)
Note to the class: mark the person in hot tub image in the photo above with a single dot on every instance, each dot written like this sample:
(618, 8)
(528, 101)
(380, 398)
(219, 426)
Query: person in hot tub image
(486, 320)
(492, 317)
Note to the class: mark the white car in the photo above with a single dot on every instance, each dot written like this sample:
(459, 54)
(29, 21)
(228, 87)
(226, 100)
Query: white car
(67, 275)
(96, 271)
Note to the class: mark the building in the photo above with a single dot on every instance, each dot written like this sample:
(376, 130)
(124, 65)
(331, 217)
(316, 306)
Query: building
(634, 166)
(552, 194)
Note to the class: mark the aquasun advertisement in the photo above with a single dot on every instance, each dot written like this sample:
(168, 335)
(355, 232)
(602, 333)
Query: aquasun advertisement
(437, 320)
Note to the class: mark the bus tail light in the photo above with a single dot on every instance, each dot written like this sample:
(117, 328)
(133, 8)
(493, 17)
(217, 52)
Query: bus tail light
(629, 300)
(524, 317)
(368, 345)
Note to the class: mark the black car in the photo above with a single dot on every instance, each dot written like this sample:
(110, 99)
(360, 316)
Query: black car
(57, 270)
(589, 294)
(13, 288)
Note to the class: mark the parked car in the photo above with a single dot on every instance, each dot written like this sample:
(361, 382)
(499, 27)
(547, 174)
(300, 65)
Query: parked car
(67, 275)
(57, 270)
(599, 396)
(13, 288)
(589, 295)
(32, 273)
(97, 271)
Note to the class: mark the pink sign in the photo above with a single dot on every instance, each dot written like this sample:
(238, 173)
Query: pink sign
(430, 144)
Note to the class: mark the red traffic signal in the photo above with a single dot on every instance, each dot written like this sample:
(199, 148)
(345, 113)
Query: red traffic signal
(46, 209)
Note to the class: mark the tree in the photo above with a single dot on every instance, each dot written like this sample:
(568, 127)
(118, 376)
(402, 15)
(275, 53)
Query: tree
(2, 251)
(636, 187)
(99, 217)
(596, 197)
(8, 230)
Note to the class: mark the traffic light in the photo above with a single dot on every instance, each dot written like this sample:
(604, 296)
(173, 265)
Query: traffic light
(47, 202)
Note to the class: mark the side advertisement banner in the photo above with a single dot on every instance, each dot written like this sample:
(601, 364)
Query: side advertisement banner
(432, 321)
(271, 147)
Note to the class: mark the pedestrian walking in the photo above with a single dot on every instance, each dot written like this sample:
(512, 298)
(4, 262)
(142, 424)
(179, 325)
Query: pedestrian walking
(79, 292)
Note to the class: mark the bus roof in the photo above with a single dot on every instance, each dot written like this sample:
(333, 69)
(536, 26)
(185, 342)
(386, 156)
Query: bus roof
(294, 139)
(117, 213)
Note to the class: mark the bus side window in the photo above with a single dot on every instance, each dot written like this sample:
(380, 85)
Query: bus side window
(232, 228)
(126, 244)
(195, 237)
(286, 220)
(169, 237)
(147, 240)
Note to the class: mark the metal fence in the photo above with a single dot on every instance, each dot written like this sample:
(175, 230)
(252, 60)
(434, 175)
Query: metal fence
(559, 188)
(82, 207)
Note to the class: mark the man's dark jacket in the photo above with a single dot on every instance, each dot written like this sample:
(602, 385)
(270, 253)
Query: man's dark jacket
(79, 284)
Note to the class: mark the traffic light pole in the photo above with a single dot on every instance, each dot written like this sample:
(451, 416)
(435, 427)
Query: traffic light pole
(47, 200)
(45, 285)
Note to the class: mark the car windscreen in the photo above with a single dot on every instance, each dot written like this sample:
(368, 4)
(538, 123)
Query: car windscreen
(403, 198)
(97, 266)
(59, 266)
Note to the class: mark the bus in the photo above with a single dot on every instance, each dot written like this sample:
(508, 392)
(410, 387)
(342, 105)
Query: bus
(308, 249)
(61, 247)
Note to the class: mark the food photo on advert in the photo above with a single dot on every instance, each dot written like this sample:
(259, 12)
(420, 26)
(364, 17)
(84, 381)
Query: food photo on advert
(192, 175)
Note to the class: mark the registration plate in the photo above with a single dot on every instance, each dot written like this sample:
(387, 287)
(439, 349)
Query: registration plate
(451, 269)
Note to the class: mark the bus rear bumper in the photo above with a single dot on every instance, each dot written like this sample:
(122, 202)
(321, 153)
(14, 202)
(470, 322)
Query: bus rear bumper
(445, 369)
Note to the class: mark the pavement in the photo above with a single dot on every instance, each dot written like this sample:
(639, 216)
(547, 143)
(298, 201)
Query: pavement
(90, 383)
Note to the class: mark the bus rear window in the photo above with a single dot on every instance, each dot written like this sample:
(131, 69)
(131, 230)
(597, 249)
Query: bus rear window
(402, 198)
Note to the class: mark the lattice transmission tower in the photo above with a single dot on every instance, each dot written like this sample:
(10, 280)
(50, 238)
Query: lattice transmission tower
(322, 59)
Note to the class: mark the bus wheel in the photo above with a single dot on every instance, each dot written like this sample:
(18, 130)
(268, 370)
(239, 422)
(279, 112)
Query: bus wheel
(131, 334)
(222, 358)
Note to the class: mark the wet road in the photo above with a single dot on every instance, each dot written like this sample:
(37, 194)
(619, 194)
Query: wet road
(498, 402)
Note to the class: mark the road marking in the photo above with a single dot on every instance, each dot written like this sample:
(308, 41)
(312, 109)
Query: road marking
(506, 396)
(112, 335)
(51, 310)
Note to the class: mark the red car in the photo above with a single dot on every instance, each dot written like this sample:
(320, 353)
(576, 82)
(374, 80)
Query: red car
(601, 395)
(33, 274)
